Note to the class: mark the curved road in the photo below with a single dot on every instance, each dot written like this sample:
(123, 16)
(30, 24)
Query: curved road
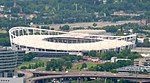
(72, 74)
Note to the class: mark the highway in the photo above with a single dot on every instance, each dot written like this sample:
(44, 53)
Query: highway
(77, 74)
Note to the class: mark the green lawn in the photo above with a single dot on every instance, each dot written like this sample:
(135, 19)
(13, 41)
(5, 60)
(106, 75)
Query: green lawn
(77, 66)
(31, 62)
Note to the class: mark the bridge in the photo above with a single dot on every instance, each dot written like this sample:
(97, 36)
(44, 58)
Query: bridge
(43, 76)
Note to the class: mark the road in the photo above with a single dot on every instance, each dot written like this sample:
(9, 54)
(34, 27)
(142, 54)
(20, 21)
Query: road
(141, 50)
(27, 74)
(87, 24)
(73, 74)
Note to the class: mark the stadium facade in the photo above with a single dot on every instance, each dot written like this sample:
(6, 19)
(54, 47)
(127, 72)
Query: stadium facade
(74, 42)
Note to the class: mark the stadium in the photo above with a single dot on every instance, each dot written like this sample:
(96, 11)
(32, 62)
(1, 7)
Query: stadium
(74, 42)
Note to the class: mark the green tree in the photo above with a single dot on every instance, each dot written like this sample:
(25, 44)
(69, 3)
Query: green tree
(146, 42)
(65, 28)
(94, 24)
(23, 67)
(119, 33)
(84, 65)
(111, 29)
(4, 39)
(108, 55)
(114, 71)
(108, 66)
(48, 66)
(92, 53)
(68, 64)
(29, 56)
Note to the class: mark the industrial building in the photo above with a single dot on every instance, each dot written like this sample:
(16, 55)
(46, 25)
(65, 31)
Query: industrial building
(142, 62)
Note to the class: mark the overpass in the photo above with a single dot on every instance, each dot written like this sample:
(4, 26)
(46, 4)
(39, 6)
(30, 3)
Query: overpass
(43, 76)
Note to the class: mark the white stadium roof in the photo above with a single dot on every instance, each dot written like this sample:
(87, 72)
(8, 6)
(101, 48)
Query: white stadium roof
(38, 42)
(26, 37)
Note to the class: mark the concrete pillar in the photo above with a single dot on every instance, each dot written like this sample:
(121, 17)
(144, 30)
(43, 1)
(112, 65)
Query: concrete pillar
(45, 81)
(28, 32)
(5, 74)
(1, 74)
(33, 32)
(40, 31)
(18, 32)
(22, 31)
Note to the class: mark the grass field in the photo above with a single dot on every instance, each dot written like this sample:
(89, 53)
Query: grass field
(77, 66)
(31, 62)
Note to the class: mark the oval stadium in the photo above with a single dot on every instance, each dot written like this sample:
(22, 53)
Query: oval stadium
(74, 42)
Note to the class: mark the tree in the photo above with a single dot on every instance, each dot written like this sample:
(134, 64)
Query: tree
(23, 67)
(45, 27)
(119, 33)
(145, 71)
(92, 53)
(146, 42)
(72, 58)
(94, 24)
(99, 80)
(61, 64)
(60, 68)
(68, 64)
(114, 71)
(4, 39)
(111, 29)
(84, 65)
(108, 66)
(108, 55)
(65, 28)
(29, 56)
(47, 66)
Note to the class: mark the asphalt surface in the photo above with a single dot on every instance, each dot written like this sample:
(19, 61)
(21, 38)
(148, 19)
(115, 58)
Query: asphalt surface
(71, 74)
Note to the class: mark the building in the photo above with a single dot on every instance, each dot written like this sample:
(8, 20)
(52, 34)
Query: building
(122, 13)
(8, 62)
(43, 40)
(115, 59)
(3, 15)
(93, 59)
(132, 68)
(51, 54)
(12, 80)
(145, 21)
(142, 62)
(145, 52)
(2, 8)
(31, 16)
